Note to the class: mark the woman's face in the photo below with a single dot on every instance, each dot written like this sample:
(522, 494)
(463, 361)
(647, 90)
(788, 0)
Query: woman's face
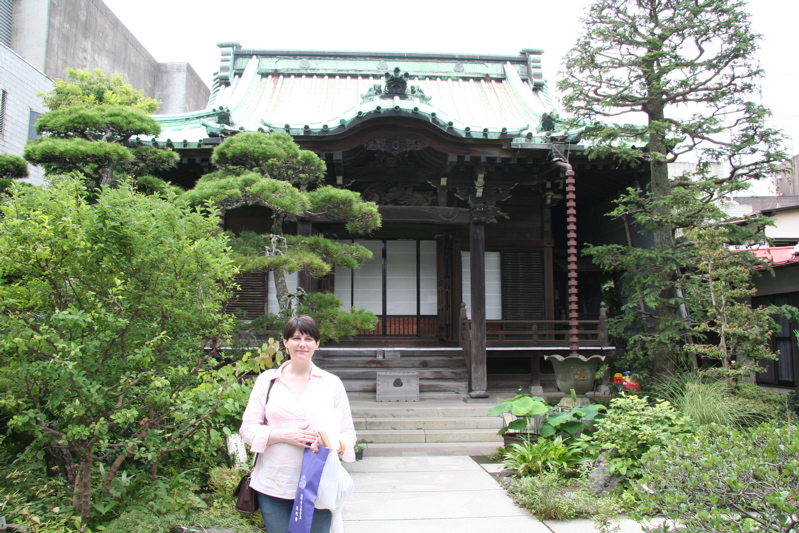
(300, 346)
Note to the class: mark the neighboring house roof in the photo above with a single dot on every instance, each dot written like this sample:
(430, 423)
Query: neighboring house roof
(757, 204)
(778, 256)
(325, 93)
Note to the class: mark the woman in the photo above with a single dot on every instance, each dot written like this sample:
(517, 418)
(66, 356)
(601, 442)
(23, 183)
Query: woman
(280, 429)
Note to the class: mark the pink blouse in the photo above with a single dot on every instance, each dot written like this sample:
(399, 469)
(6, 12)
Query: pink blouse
(277, 471)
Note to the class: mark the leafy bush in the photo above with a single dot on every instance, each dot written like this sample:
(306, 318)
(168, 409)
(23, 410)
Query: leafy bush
(772, 405)
(534, 415)
(552, 497)
(707, 400)
(543, 455)
(631, 428)
(524, 407)
(30, 498)
(793, 402)
(103, 332)
(725, 479)
(576, 421)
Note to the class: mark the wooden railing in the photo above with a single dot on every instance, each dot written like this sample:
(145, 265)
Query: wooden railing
(405, 326)
(553, 333)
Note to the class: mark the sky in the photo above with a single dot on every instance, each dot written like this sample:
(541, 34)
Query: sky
(184, 30)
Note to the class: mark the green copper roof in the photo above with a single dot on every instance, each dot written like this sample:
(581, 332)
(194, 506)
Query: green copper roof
(326, 93)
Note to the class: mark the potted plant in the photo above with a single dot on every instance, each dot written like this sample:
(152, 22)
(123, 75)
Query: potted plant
(358, 448)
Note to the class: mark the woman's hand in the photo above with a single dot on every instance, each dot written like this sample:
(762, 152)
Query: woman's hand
(299, 436)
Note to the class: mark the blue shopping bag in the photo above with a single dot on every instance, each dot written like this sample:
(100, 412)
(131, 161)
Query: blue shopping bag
(302, 513)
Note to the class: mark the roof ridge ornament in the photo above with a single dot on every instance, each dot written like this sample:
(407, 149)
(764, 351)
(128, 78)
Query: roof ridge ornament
(396, 85)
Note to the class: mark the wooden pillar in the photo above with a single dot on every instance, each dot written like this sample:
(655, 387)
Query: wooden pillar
(478, 382)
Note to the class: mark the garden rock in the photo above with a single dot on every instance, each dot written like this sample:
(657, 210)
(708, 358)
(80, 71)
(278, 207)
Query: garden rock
(599, 481)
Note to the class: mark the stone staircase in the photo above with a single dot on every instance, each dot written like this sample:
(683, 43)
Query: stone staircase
(438, 424)
(441, 370)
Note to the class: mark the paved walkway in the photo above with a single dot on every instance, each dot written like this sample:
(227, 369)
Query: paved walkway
(441, 494)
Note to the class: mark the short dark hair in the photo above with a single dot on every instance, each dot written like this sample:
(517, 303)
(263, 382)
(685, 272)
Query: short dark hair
(302, 324)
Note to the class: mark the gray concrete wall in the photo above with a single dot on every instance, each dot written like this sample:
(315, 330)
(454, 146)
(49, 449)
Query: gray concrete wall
(86, 34)
(180, 89)
(21, 81)
(29, 30)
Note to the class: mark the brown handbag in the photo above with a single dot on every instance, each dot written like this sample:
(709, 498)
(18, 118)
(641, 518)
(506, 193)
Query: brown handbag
(246, 498)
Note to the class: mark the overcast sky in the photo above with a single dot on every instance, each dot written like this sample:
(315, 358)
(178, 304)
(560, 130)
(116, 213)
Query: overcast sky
(188, 30)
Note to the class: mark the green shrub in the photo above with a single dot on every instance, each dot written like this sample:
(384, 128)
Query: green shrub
(543, 455)
(725, 479)
(553, 497)
(534, 415)
(30, 498)
(631, 428)
(771, 405)
(793, 402)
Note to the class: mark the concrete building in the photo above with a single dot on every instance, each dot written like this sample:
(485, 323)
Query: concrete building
(53, 35)
(19, 105)
(40, 39)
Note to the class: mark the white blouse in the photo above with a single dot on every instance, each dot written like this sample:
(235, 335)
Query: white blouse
(277, 470)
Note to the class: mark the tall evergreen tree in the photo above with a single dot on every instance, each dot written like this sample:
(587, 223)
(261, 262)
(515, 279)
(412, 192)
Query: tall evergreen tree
(683, 76)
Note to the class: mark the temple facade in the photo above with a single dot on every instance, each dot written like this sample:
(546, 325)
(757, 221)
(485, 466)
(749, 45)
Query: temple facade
(486, 198)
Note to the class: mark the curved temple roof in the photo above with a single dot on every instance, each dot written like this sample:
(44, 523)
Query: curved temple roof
(325, 93)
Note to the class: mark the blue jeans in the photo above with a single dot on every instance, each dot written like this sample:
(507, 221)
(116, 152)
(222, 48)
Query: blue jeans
(277, 513)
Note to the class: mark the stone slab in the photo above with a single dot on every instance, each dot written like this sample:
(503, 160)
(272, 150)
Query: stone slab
(412, 464)
(424, 481)
(526, 524)
(432, 505)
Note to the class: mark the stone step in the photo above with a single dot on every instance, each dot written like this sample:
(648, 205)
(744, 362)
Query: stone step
(418, 423)
(429, 436)
(441, 370)
(424, 409)
(425, 385)
(374, 353)
(430, 449)
(424, 373)
(337, 363)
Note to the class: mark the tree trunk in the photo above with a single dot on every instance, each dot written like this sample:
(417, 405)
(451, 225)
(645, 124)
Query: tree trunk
(59, 463)
(663, 350)
(82, 489)
(281, 287)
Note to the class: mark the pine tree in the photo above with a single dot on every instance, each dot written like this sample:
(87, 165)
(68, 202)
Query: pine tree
(270, 170)
(91, 120)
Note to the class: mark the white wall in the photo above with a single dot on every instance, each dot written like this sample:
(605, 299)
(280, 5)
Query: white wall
(21, 81)
(786, 225)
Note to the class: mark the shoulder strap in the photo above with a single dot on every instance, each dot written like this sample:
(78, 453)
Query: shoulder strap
(268, 392)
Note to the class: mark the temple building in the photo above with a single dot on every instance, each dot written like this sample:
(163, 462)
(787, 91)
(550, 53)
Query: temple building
(486, 199)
